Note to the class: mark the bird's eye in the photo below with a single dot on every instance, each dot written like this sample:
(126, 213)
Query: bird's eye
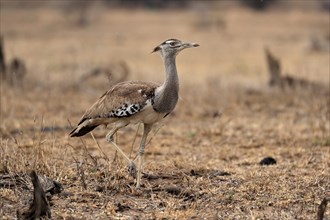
(172, 44)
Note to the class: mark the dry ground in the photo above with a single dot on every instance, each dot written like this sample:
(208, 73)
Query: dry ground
(203, 161)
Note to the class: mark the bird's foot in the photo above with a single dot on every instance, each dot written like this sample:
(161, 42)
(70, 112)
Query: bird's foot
(132, 169)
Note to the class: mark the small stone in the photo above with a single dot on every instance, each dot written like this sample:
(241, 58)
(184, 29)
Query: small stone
(99, 189)
(267, 161)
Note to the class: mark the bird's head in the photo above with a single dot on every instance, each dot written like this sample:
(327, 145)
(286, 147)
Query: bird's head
(172, 47)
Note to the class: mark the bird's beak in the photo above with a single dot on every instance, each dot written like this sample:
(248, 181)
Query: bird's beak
(188, 45)
(156, 49)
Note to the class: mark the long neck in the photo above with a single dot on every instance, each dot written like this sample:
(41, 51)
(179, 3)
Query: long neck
(167, 94)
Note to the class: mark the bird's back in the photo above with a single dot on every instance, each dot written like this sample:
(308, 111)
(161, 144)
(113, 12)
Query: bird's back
(122, 101)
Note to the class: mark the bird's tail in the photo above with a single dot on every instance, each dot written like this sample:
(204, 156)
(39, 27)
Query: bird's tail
(81, 130)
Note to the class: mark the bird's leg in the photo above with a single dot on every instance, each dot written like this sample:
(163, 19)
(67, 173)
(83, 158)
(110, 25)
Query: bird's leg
(147, 128)
(113, 131)
(109, 137)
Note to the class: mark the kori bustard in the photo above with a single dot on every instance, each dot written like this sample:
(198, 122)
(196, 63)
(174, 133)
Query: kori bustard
(136, 102)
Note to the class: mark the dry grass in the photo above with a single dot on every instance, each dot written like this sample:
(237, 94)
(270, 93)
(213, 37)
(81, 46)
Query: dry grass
(203, 162)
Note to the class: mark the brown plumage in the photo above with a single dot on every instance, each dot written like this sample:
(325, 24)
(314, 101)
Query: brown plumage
(136, 102)
(124, 93)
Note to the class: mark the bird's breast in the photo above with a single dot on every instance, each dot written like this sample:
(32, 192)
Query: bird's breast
(147, 115)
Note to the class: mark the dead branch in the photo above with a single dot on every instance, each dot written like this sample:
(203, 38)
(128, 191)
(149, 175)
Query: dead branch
(40, 206)
(2, 60)
(274, 69)
(14, 73)
(321, 209)
(21, 180)
(277, 79)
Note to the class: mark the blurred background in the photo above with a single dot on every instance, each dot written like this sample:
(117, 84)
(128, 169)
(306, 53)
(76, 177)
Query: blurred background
(62, 40)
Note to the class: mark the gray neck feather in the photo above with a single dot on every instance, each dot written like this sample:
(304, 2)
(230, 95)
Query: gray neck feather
(166, 96)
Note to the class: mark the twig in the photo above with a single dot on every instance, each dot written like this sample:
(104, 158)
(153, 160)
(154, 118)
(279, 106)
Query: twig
(99, 146)
(85, 147)
(81, 173)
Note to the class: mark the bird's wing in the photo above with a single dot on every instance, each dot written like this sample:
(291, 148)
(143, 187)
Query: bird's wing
(122, 100)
